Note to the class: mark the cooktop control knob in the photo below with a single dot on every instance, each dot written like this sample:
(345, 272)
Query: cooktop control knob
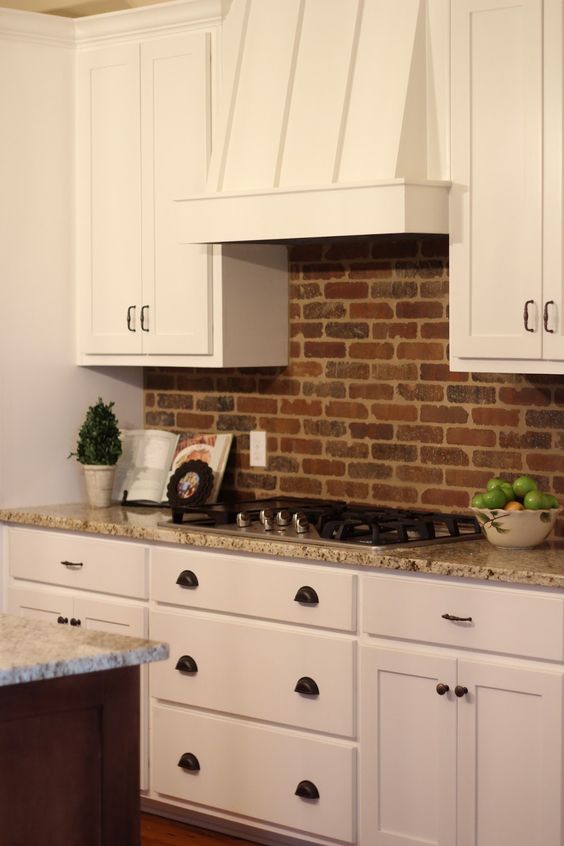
(266, 517)
(300, 522)
(283, 517)
(243, 519)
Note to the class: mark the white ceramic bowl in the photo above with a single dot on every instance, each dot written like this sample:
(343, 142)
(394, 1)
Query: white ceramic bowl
(516, 529)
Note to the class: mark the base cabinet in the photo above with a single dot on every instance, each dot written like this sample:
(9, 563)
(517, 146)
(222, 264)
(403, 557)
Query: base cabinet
(460, 746)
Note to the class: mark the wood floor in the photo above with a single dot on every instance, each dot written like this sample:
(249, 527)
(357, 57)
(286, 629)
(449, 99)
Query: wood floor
(156, 831)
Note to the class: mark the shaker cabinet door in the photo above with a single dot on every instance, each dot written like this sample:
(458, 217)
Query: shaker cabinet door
(175, 120)
(109, 200)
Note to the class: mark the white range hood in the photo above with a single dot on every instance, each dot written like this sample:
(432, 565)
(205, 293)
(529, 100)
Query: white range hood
(333, 120)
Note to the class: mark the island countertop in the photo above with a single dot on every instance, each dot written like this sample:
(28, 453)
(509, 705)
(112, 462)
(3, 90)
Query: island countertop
(33, 650)
(541, 566)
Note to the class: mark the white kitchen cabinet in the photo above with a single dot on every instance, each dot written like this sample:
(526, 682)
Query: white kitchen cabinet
(458, 747)
(143, 140)
(506, 233)
(265, 705)
(78, 581)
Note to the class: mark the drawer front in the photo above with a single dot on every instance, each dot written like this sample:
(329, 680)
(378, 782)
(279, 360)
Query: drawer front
(268, 589)
(254, 772)
(502, 619)
(57, 558)
(253, 670)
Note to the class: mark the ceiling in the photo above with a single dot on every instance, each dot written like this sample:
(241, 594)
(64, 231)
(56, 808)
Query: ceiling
(75, 8)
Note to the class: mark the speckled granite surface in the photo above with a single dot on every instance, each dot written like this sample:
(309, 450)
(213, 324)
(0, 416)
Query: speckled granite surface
(31, 650)
(540, 566)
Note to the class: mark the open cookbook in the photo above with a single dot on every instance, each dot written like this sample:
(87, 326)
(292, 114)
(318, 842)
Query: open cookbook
(150, 457)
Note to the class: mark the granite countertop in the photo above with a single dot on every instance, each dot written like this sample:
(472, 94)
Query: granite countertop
(32, 650)
(541, 566)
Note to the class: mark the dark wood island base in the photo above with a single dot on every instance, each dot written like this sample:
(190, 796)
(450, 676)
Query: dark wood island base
(69, 760)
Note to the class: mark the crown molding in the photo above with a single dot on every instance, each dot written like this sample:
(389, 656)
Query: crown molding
(37, 27)
(131, 23)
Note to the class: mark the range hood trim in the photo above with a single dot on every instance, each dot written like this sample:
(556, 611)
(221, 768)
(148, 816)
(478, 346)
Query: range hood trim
(380, 208)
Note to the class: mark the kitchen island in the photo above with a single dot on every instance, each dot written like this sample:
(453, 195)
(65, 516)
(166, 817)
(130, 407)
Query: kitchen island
(69, 733)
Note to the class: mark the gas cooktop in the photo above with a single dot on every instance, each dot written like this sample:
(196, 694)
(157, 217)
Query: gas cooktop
(327, 522)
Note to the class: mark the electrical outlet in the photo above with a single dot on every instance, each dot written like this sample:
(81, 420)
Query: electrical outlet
(257, 448)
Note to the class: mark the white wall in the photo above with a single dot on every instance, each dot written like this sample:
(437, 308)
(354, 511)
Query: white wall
(43, 394)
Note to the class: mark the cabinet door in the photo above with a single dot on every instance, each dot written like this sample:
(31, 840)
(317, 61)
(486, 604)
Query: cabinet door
(175, 112)
(408, 741)
(40, 605)
(553, 175)
(109, 200)
(509, 756)
(496, 198)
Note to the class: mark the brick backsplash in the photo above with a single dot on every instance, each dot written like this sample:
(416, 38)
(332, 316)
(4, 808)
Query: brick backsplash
(368, 409)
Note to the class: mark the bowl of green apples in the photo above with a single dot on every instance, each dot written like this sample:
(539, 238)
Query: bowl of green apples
(515, 515)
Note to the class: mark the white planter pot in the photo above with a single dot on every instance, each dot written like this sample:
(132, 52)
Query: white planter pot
(99, 483)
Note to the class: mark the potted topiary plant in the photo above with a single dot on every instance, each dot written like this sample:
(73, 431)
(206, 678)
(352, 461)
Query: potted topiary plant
(98, 449)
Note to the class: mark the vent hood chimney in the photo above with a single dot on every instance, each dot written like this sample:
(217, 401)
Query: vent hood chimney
(333, 121)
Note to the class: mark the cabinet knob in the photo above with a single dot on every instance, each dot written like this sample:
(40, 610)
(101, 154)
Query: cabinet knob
(307, 596)
(307, 790)
(74, 621)
(526, 315)
(186, 664)
(62, 620)
(442, 689)
(460, 691)
(307, 686)
(131, 318)
(145, 309)
(187, 579)
(188, 761)
(545, 316)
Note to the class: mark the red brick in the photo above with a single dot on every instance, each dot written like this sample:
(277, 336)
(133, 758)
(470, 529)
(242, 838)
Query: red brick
(342, 449)
(370, 391)
(471, 437)
(495, 416)
(394, 372)
(323, 467)
(281, 425)
(301, 446)
(192, 421)
(551, 463)
(498, 460)
(419, 475)
(474, 480)
(324, 389)
(354, 410)
(324, 349)
(300, 485)
(345, 329)
(525, 396)
(299, 369)
(373, 431)
(346, 290)
(443, 414)
(446, 498)
(371, 350)
(433, 372)
(419, 350)
(389, 411)
(400, 330)
(437, 330)
(306, 330)
(421, 393)
(420, 434)
(324, 270)
(301, 407)
(442, 456)
(419, 308)
(369, 470)
(371, 311)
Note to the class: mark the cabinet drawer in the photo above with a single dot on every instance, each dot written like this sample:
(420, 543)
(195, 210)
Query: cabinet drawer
(253, 669)
(57, 558)
(503, 619)
(254, 772)
(238, 585)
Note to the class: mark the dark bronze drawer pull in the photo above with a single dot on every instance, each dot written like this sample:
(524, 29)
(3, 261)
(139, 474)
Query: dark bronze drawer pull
(75, 622)
(442, 689)
(307, 686)
(460, 691)
(186, 664)
(456, 619)
(307, 790)
(62, 620)
(307, 595)
(72, 565)
(188, 761)
(187, 579)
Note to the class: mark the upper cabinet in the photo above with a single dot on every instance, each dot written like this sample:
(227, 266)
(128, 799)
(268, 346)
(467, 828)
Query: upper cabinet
(143, 140)
(506, 223)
